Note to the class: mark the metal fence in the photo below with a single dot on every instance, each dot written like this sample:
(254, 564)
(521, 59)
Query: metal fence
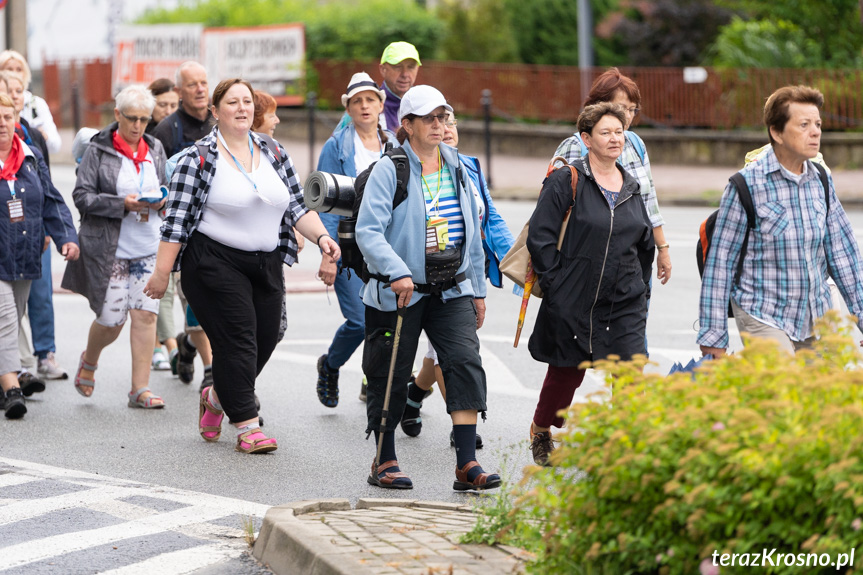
(725, 99)
(731, 98)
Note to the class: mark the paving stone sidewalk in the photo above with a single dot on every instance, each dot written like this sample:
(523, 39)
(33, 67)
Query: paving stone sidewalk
(380, 537)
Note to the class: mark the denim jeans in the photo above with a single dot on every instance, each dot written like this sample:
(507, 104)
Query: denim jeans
(40, 308)
(350, 334)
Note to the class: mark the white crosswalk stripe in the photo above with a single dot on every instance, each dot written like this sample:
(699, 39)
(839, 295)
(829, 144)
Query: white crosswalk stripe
(140, 510)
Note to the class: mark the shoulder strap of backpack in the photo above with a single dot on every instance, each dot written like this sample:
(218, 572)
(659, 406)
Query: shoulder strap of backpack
(749, 207)
(637, 143)
(202, 151)
(825, 183)
(400, 159)
(271, 143)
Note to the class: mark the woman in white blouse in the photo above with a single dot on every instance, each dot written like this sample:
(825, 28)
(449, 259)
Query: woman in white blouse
(230, 222)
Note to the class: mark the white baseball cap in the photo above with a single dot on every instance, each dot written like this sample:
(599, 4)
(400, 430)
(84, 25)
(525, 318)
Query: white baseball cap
(360, 82)
(422, 100)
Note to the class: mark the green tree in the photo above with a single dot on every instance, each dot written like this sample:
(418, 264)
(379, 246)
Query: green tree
(469, 36)
(833, 25)
(546, 31)
(764, 44)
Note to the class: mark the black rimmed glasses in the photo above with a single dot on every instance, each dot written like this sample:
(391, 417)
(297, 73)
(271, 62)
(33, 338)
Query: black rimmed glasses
(136, 119)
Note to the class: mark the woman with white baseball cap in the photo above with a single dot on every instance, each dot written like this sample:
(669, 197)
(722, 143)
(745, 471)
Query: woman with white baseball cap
(349, 151)
(427, 264)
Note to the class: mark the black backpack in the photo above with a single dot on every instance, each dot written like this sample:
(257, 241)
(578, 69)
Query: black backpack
(352, 257)
(705, 233)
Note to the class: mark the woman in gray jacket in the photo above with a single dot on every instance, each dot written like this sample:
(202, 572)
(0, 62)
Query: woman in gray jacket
(119, 239)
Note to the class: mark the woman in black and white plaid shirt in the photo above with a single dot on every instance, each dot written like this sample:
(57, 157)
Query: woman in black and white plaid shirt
(230, 223)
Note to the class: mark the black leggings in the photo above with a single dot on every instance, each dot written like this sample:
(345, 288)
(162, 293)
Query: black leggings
(237, 297)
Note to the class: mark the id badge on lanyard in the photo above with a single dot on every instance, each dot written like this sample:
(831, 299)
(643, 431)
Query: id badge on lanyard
(143, 215)
(15, 205)
(437, 234)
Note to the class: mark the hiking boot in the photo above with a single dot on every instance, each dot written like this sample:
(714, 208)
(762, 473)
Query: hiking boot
(208, 379)
(541, 445)
(49, 369)
(30, 384)
(328, 383)
(14, 406)
(185, 359)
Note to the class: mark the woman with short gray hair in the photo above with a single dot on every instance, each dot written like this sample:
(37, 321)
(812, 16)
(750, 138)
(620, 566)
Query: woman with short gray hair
(119, 195)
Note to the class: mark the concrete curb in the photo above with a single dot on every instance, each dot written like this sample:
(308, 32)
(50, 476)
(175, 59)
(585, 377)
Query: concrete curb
(288, 546)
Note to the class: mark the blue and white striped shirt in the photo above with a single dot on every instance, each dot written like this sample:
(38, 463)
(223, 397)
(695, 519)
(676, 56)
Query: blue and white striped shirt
(784, 278)
(446, 205)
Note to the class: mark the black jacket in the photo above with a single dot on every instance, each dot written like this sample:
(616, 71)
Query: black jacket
(596, 286)
(180, 130)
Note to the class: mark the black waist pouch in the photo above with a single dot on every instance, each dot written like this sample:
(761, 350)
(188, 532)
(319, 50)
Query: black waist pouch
(441, 267)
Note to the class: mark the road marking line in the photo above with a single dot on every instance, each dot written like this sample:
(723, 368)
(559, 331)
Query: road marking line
(30, 508)
(178, 562)
(12, 479)
(57, 545)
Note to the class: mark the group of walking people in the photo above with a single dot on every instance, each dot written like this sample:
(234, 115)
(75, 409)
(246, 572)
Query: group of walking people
(196, 195)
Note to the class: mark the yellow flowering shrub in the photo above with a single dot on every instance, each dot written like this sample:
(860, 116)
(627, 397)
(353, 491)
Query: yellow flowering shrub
(758, 451)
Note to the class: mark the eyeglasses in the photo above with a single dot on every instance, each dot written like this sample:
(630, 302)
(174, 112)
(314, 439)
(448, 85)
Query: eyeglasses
(452, 124)
(429, 120)
(633, 111)
(136, 119)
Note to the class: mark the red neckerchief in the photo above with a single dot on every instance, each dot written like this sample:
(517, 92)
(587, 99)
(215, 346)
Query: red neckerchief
(14, 161)
(126, 150)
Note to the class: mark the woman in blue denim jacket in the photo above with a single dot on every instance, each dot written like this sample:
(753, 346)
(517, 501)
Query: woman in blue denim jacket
(30, 208)
(348, 152)
(496, 241)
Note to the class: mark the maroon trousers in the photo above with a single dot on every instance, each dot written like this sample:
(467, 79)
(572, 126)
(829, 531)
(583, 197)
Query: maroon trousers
(557, 391)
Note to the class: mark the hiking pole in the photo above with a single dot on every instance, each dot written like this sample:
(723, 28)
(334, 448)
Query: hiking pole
(385, 411)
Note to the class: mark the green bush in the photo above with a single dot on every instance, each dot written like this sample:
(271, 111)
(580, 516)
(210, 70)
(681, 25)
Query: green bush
(760, 451)
(764, 44)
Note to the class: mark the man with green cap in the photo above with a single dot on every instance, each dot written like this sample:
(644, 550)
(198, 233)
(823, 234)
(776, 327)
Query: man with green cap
(400, 64)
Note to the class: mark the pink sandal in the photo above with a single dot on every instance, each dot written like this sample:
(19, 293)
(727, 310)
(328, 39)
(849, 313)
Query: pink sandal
(80, 382)
(209, 418)
(254, 441)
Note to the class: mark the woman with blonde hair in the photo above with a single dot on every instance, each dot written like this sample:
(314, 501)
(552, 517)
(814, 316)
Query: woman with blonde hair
(35, 109)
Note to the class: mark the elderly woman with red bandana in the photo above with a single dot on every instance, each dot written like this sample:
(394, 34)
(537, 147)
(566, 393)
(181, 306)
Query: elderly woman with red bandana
(120, 173)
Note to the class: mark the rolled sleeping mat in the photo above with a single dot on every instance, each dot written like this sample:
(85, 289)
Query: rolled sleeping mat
(329, 193)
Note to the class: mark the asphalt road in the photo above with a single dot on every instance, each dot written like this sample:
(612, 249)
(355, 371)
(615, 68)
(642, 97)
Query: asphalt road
(323, 452)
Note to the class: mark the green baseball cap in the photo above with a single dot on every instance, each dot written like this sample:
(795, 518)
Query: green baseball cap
(399, 51)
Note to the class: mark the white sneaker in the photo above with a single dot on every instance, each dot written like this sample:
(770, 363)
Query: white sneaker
(49, 369)
(160, 362)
